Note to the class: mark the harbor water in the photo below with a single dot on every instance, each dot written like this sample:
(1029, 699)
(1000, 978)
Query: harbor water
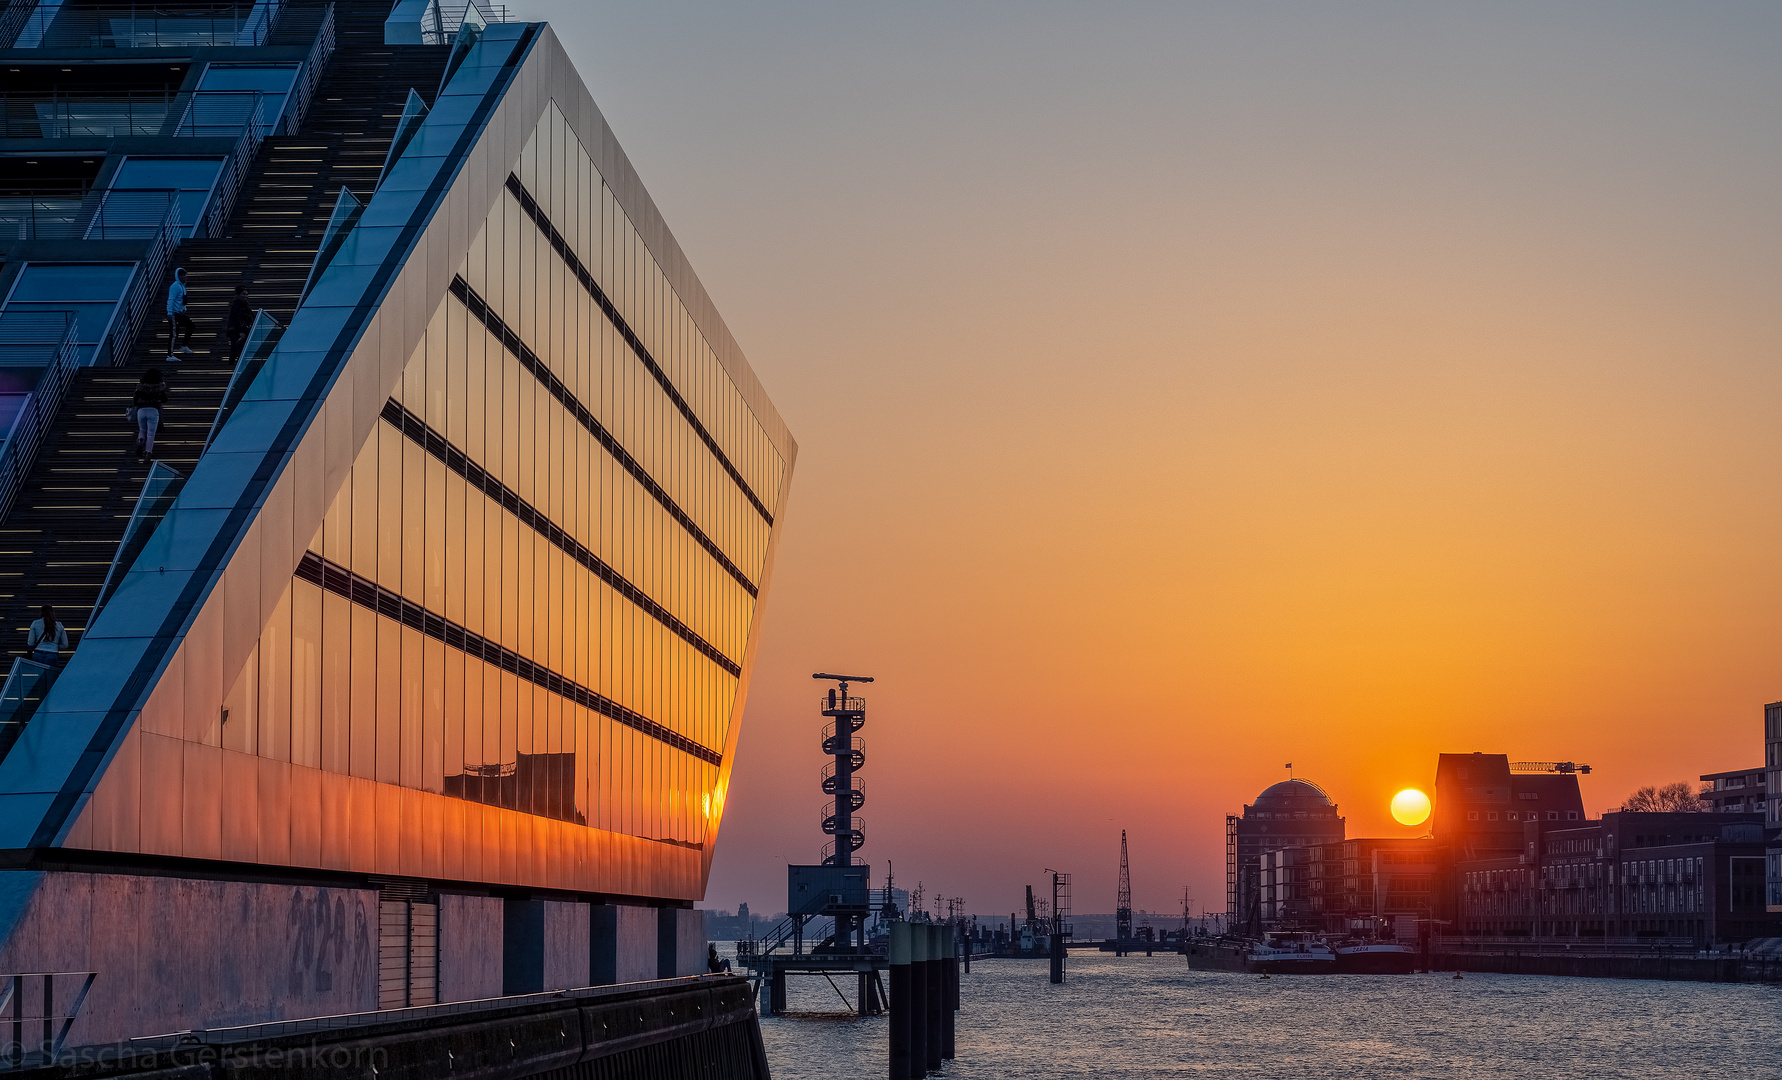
(1139, 1017)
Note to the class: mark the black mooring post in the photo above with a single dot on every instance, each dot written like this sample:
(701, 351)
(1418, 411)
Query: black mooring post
(937, 997)
(900, 1001)
(1057, 958)
(950, 994)
(918, 998)
(777, 996)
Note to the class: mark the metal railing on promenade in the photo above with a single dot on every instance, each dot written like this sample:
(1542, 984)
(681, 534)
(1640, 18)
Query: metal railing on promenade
(38, 1037)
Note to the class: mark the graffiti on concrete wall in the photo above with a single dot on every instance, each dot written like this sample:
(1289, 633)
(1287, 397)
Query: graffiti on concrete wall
(330, 940)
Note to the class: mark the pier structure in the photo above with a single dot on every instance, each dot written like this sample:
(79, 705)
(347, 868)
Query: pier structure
(829, 903)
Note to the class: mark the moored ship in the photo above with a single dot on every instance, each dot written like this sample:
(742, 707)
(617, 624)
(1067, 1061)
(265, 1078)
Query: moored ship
(1374, 958)
(1279, 953)
(1292, 952)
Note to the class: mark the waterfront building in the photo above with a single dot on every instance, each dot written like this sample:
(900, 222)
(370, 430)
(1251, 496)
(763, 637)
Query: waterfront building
(1486, 810)
(1358, 885)
(411, 671)
(1693, 877)
(1741, 791)
(1772, 760)
(1291, 814)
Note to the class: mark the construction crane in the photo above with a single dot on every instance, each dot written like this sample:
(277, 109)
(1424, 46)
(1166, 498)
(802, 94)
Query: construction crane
(1566, 767)
(1123, 898)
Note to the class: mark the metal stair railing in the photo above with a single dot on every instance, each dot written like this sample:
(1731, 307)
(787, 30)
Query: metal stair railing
(303, 93)
(262, 338)
(158, 492)
(27, 683)
(139, 298)
(787, 930)
(39, 409)
(229, 182)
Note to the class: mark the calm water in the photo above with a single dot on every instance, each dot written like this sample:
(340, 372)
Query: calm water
(1148, 1017)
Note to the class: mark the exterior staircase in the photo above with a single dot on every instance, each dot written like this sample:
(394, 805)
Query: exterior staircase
(59, 538)
(290, 191)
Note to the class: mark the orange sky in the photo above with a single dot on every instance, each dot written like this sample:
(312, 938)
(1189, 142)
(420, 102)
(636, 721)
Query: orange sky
(1185, 392)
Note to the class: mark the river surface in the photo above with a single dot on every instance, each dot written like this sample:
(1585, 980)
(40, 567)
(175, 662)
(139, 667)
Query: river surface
(1136, 1016)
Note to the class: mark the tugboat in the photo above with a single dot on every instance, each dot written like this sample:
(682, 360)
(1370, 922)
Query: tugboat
(1291, 952)
(1361, 957)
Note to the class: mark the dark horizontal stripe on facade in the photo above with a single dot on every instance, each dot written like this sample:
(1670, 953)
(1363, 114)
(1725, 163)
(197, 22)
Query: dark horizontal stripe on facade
(417, 431)
(340, 581)
(480, 310)
(593, 289)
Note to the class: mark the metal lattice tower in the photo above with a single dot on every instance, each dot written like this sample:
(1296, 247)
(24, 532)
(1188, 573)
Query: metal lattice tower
(1123, 901)
(847, 715)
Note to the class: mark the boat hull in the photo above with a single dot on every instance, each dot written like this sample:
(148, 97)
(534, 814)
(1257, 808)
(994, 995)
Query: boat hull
(1227, 956)
(1293, 965)
(1216, 956)
(1376, 961)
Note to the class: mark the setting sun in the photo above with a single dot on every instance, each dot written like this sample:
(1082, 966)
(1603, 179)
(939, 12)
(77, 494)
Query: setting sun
(1410, 807)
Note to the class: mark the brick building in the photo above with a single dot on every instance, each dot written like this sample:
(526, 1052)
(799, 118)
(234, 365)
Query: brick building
(1627, 876)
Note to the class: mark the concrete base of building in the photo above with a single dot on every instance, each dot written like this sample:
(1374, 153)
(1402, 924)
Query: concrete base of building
(173, 954)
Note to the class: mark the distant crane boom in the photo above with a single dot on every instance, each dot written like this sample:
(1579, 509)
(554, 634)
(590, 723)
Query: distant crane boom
(1123, 899)
(1566, 767)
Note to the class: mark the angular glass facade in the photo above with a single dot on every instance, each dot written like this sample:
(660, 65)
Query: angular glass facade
(535, 586)
(464, 586)
(414, 672)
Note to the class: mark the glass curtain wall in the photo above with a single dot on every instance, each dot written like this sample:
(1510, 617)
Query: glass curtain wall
(536, 586)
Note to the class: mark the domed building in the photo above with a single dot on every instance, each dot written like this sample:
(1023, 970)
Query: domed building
(1291, 814)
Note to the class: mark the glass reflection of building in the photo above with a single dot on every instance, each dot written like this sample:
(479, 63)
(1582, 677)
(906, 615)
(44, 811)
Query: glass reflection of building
(456, 607)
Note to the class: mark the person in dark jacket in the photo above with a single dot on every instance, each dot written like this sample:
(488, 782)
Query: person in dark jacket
(146, 403)
(240, 321)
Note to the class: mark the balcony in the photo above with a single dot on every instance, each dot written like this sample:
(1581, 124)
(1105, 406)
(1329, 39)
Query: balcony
(53, 24)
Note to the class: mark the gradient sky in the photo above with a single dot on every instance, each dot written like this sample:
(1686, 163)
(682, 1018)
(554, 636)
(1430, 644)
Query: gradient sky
(1186, 389)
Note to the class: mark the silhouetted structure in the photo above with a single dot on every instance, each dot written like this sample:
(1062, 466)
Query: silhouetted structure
(1291, 814)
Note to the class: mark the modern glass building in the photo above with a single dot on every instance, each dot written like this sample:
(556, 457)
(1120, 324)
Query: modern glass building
(412, 671)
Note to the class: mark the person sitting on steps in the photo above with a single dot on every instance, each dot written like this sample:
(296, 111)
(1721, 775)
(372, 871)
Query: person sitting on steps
(146, 405)
(181, 339)
(47, 639)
